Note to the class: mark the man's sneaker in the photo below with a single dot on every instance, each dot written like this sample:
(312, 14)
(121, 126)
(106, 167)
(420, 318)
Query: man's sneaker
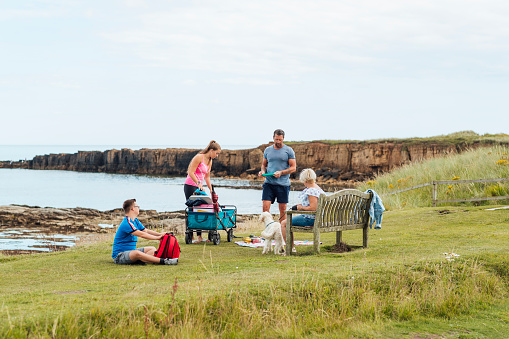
(169, 261)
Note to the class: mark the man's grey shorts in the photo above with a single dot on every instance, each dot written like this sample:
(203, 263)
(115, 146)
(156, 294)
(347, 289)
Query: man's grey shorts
(123, 257)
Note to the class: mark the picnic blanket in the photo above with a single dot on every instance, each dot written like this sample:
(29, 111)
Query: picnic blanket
(261, 244)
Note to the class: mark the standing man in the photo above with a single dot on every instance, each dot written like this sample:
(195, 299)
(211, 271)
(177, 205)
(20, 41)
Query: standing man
(124, 245)
(280, 160)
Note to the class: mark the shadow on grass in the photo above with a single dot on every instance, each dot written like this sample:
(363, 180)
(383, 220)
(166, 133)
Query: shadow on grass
(341, 248)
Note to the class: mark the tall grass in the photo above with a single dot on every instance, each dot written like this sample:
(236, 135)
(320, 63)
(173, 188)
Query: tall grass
(481, 163)
(298, 306)
(460, 139)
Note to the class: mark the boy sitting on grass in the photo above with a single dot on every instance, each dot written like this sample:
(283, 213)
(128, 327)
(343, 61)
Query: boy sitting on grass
(124, 245)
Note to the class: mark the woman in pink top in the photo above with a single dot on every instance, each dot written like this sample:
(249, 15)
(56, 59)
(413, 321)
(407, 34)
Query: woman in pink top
(198, 172)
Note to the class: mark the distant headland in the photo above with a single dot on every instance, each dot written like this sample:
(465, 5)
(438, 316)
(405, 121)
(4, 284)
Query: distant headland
(335, 161)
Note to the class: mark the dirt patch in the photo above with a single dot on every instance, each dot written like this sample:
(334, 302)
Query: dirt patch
(93, 238)
(443, 212)
(341, 248)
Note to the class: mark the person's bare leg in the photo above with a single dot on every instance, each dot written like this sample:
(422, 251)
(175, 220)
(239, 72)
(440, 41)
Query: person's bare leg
(145, 257)
(150, 250)
(266, 205)
(283, 229)
(282, 212)
(199, 238)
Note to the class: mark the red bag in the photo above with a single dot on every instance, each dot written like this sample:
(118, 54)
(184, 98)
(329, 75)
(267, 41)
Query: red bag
(168, 247)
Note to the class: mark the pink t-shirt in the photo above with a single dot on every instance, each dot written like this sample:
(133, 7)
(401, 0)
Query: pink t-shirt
(200, 172)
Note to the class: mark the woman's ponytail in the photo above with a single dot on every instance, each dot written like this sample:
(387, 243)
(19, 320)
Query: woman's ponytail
(213, 145)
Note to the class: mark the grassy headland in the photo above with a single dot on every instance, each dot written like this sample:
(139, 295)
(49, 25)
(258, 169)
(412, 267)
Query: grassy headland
(464, 138)
(402, 285)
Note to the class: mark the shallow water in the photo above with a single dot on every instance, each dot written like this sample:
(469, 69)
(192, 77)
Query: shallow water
(104, 191)
(19, 239)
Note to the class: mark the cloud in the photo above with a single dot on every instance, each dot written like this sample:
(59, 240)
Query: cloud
(296, 37)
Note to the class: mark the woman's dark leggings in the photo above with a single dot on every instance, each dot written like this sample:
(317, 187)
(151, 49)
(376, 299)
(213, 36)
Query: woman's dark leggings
(188, 191)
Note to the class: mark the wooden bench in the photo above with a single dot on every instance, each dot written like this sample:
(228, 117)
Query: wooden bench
(342, 211)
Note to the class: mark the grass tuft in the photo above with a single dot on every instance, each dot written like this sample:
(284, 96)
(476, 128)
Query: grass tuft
(301, 307)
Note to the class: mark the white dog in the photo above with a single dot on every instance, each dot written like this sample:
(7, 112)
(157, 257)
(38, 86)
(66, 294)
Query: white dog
(272, 232)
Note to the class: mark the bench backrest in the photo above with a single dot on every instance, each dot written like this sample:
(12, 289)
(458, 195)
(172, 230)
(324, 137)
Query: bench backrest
(349, 208)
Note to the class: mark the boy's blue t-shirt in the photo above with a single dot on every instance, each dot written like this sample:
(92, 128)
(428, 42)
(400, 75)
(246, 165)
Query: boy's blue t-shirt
(278, 161)
(124, 240)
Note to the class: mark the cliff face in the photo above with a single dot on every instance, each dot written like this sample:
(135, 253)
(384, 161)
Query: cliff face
(354, 160)
(340, 161)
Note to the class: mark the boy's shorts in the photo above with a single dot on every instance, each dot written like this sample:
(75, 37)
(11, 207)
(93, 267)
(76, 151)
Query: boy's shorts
(123, 257)
(271, 192)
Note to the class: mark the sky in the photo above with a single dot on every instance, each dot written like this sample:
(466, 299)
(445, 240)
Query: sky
(185, 72)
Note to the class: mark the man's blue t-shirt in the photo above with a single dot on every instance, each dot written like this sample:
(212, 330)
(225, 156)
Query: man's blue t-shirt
(124, 240)
(277, 160)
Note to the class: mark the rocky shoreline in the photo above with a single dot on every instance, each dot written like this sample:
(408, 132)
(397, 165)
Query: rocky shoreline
(88, 223)
(79, 219)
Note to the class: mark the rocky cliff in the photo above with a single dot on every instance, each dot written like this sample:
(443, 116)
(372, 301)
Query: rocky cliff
(341, 161)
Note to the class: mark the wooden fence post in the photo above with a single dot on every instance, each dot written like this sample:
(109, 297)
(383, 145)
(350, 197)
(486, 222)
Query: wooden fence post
(434, 201)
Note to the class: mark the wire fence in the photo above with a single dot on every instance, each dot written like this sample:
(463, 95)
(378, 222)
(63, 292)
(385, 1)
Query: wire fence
(435, 184)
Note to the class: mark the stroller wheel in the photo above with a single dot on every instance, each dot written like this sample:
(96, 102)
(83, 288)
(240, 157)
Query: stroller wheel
(216, 238)
(189, 237)
(210, 235)
(229, 235)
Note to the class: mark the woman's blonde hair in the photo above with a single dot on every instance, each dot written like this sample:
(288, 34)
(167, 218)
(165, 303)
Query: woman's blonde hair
(307, 175)
(212, 145)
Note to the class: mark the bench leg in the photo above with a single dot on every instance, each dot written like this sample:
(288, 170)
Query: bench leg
(289, 235)
(339, 237)
(365, 237)
(316, 240)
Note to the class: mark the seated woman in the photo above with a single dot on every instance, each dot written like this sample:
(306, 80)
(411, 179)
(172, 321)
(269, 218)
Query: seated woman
(308, 202)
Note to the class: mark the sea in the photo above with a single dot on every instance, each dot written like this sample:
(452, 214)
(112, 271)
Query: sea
(106, 191)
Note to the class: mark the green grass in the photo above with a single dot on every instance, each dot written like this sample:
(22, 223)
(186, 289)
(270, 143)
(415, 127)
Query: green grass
(402, 285)
(482, 163)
